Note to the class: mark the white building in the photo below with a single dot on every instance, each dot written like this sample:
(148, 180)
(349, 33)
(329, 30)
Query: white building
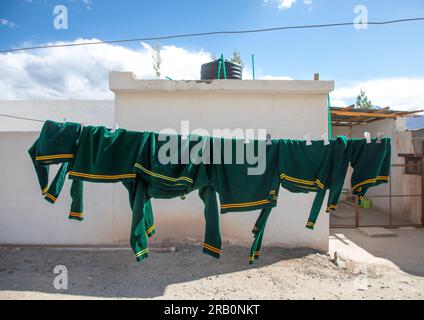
(289, 109)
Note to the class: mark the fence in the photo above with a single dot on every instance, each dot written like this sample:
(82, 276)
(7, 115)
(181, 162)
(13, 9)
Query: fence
(400, 203)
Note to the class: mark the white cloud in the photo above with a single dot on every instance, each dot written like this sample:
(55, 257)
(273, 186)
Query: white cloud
(82, 72)
(287, 4)
(87, 3)
(7, 23)
(397, 93)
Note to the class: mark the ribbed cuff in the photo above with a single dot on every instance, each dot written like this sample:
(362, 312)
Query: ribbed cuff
(142, 254)
(310, 225)
(151, 231)
(211, 250)
(331, 207)
(50, 198)
(254, 257)
(76, 216)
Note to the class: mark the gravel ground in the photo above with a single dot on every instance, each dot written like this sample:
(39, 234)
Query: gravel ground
(27, 273)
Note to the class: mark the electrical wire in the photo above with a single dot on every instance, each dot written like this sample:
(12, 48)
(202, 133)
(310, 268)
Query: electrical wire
(201, 34)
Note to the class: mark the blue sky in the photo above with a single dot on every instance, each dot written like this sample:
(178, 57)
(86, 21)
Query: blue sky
(343, 54)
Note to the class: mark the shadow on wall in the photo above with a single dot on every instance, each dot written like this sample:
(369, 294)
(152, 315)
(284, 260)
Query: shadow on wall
(115, 274)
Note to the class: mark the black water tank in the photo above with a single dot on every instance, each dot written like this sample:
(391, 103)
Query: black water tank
(209, 70)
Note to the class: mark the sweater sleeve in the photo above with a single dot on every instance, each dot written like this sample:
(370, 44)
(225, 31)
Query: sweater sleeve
(138, 238)
(212, 242)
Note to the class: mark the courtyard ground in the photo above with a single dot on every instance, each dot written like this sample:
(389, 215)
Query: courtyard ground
(367, 268)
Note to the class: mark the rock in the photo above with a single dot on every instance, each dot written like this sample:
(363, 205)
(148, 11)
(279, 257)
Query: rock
(339, 260)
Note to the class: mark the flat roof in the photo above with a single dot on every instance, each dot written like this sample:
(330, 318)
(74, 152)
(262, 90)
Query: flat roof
(126, 82)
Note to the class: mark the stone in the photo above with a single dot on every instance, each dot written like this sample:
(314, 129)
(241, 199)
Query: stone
(339, 260)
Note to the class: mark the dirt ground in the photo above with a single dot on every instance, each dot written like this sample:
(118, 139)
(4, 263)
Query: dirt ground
(27, 273)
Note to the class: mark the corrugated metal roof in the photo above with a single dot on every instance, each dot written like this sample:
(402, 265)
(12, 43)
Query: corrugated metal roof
(350, 116)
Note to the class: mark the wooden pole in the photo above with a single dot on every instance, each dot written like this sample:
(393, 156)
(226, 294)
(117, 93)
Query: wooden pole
(422, 185)
(356, 211)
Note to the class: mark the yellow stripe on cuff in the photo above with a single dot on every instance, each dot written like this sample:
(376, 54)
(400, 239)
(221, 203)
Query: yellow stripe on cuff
(55, 156)
(211, 248)
(150, 229)
(76, 214)
(140, 253)
(48, 195)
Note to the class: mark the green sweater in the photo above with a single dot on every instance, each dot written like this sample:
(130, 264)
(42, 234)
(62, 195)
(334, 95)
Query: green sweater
(371, 164)
(152, 167)
(108, 156)
(162, 177)
(238, 187)
(57, 144)
(314, 168)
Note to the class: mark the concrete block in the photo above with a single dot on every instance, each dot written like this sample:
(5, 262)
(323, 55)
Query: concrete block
(376, 232)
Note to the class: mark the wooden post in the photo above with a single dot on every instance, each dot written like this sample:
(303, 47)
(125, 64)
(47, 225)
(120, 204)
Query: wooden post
(356, 211)
(422, 184)
(390, 198)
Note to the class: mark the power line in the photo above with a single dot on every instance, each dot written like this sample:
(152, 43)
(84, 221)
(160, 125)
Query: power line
(228, 32)
(21, 118)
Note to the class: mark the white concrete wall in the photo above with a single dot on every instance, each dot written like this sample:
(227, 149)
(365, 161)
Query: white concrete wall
(89, 112)
(283, 108)
(26, 218)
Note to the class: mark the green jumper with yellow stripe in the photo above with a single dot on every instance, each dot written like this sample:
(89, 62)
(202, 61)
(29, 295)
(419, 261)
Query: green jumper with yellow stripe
(314, 168)
(371, 164)
(108, 156)
(57, 144)
(245, 175)
(171, 166)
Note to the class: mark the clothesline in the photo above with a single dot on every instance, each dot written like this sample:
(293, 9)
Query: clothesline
(21, 118)
(42, 121)
(96, 154)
